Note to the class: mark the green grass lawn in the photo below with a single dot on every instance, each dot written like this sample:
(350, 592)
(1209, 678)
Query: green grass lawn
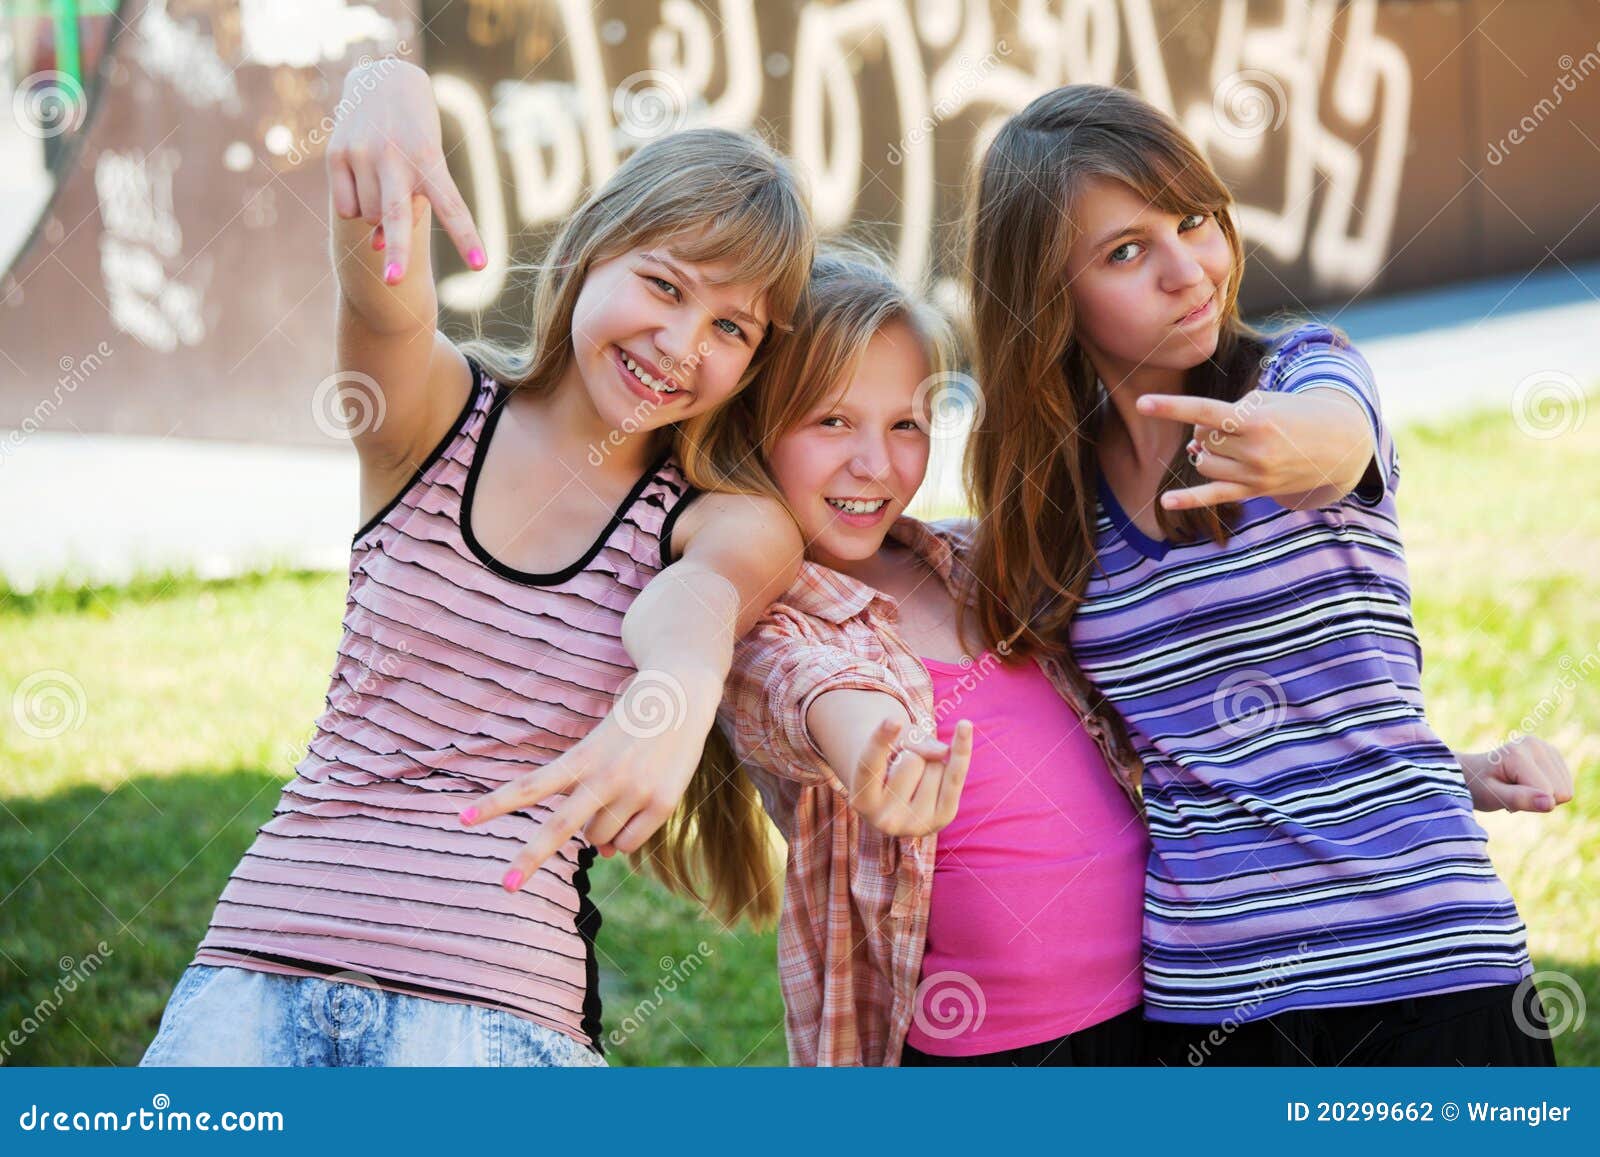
(197, 698)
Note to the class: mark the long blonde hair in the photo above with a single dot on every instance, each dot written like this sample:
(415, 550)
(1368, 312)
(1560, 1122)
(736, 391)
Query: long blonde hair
(718, 847)
(716, 194)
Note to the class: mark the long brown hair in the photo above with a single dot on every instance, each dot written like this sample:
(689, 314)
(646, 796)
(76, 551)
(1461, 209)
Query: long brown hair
(715, 194)
(718, 848)
(1031, 461)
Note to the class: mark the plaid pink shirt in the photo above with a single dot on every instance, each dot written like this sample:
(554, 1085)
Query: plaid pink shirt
(855, 904)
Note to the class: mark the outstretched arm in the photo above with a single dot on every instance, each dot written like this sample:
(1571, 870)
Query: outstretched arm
(914, 793)
(1304, 450)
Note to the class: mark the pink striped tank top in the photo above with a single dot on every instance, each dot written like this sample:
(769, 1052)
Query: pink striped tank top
(455, 674)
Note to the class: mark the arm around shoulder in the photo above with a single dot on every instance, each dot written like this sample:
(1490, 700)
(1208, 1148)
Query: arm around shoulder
(738, 555)
(749, 541)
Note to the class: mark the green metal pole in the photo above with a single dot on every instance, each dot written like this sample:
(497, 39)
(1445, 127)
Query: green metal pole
(68, 58)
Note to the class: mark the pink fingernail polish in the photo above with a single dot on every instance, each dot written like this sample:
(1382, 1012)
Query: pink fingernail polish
(469, 815)
(476, 259)
(391, 272)
(513, 880)
(377, 241)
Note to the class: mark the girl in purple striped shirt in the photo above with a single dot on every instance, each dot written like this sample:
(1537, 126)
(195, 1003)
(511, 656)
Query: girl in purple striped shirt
(1202, 518)
(538, 623)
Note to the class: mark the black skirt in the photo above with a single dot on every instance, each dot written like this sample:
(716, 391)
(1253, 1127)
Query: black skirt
(1118, 1041)
(1502, 1024)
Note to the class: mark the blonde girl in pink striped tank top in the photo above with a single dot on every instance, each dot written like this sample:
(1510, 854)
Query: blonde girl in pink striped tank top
(538, 623)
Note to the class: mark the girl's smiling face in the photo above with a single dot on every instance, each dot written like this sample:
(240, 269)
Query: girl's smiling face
(852, 466)
(1148, 287)
(657, 339)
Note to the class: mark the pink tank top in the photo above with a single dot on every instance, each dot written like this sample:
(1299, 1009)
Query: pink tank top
(455, 674)
(1038, 884)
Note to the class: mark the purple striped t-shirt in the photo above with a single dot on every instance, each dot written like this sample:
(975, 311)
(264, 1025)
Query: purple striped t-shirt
(455, 674)
(1312, 839)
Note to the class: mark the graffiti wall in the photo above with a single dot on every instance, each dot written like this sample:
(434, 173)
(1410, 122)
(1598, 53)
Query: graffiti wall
(1373, 146)
(176, 282)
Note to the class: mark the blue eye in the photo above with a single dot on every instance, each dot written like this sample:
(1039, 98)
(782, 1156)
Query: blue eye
(662, 283)
(733, 329)
(1199, 219)
(1115, 260)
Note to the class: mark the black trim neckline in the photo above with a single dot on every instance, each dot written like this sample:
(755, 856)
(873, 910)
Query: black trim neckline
(664, 555)
(528, 577)
(433, 455)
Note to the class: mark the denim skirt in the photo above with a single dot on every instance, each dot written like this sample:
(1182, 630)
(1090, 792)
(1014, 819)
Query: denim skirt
(220, 1015)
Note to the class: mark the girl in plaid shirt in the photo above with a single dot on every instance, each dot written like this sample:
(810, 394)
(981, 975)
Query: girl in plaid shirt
(1013, 935)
